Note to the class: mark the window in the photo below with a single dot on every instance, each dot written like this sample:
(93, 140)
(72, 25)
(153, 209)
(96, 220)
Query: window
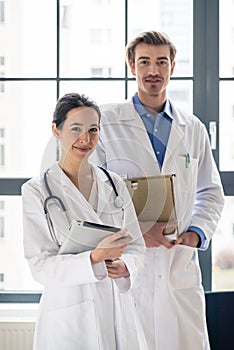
(65, 14)
(1, 226)
(2, 11)
(220, 107)
(1, 281)
(2, 74)
(223, 250)
(2, 147)
(101, 72)
(100, 36)
(1, 219)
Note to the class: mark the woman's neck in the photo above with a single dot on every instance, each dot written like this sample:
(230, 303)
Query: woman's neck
(80, 175)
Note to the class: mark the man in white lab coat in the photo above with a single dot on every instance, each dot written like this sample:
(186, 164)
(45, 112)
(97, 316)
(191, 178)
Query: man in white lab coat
(148, 135)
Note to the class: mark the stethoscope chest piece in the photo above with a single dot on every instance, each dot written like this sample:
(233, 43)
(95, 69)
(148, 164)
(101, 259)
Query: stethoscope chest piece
(118, 202)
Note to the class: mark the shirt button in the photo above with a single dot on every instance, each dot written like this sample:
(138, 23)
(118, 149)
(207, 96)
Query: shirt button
(155, 130)
(157, 152)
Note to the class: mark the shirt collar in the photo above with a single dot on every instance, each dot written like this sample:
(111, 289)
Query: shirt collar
(167, 110)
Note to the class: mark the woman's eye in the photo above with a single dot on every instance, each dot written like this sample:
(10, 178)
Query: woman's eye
(94, 130)
(76, 129)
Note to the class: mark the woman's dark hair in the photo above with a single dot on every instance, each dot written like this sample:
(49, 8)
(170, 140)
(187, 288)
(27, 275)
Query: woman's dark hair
(68, 102)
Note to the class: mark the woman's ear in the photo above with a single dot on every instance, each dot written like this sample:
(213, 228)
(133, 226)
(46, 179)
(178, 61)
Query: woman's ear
(55, 131)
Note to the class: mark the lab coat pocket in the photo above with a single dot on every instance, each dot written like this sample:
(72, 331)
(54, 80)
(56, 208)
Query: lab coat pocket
(184, 269)
(73, 328)
(185, 189)
(186, 172)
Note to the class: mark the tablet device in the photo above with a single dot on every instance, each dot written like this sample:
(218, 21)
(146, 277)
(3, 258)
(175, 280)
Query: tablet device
(84, 235)
(153, 198)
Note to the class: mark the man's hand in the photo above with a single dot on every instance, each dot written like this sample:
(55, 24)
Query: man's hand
(117, 269)
(153, 234)
(189, 238)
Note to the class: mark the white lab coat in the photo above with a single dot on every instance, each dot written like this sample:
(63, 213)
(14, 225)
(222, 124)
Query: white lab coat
(168, 293)
(81, 307)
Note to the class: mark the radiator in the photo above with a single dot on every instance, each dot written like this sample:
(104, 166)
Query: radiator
(16, 335)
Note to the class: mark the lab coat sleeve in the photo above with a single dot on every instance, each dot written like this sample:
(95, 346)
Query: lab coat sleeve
(209, 200)
(41, 251)
(133, 256)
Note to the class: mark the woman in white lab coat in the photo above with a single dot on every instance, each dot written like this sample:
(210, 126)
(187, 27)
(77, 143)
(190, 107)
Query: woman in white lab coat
(86, 302)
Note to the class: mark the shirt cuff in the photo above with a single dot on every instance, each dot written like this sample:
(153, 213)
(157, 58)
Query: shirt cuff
(100, 270)
(203, 241)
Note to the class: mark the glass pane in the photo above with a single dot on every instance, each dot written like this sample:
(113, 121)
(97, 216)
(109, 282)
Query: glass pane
(226, 38)
(30, 29)
(15, 271)
(223, 250)
(180, 92)
(92, 41)
(226, 127)
(25, 126)
(100, 92)
(175, 18)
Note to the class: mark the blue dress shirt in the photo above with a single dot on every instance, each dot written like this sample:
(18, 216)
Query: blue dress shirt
(159, 130)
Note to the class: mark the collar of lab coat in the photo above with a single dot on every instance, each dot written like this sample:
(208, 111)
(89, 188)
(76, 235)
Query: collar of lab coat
(69, 190)
(127, 113)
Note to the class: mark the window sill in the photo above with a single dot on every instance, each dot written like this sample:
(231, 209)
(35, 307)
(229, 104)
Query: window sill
(18, 312)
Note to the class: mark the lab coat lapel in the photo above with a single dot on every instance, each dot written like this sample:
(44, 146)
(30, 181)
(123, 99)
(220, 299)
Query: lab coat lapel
(104, 192)
(175, 138)
(73, 198)
(137, 127)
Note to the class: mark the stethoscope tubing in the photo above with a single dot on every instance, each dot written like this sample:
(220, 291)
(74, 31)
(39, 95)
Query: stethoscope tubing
(118, 200)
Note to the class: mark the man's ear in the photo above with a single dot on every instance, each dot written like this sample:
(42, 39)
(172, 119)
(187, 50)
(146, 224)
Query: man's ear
(55, 131)
(132, 67)
(172, 68)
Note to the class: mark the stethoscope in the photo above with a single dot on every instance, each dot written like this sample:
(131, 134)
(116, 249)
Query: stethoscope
(118, 201)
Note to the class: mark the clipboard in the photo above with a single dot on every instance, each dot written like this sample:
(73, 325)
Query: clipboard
(153, 199)
(83, 236)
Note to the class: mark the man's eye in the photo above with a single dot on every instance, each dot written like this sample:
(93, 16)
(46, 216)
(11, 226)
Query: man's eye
(144, 62)
(163, 63)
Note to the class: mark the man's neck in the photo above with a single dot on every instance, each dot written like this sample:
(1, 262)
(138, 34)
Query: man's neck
(153, 103)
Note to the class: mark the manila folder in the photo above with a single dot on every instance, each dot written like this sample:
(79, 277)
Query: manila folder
(153, 197)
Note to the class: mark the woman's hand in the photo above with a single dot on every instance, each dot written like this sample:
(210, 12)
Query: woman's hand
(111, 247)
(117, 269)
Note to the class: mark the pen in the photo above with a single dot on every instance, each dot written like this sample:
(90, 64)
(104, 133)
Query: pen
(187, 160)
